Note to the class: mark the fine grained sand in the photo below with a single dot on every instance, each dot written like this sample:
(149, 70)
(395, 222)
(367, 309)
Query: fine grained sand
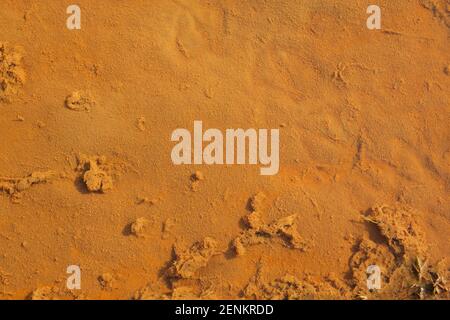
(86, 177)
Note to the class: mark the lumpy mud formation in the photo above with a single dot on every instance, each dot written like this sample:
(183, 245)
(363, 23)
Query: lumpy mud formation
(86, 177)
(15, 186)
(94, 173)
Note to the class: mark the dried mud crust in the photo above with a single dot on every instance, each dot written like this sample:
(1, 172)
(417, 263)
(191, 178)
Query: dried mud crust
(400, 228)
(107, 281)
(288, 287)
(177, 293)
(439, 8)
(182, 274)
(54, 293)
(79, 101)
(188, 262)
(12, 73)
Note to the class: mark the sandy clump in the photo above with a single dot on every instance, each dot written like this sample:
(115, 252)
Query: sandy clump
(188, 262)
(12, 73)
(370, 253)
(95, 173)
(4, 278)
(139, 227)
(79, 101)
(359, 125)
(140, 123)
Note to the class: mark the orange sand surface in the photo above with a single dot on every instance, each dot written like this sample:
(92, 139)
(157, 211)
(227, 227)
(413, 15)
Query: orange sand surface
(86, 176)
